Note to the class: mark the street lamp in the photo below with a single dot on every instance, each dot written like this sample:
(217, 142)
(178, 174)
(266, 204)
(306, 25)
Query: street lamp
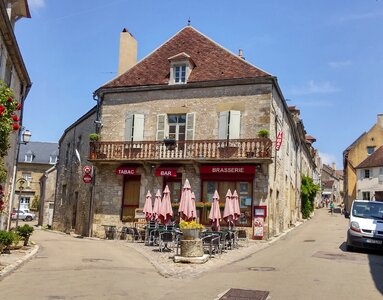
(24, 138)
(21, 182)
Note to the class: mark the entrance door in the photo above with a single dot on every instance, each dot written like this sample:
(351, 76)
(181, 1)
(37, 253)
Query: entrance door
(131, 197)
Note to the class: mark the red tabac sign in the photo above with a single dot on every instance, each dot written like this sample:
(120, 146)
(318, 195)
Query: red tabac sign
(172, 172)
(227, 169)
(278, 142)
(126, 171)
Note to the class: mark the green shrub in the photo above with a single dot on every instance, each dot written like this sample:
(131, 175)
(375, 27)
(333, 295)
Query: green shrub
(16, 238)
(94, 137)
(308, 192)
(6, 238)
(264, 133)
(25, 232)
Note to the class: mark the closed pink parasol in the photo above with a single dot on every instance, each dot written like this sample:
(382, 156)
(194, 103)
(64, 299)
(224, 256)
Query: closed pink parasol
(215, 213)
(148, 210)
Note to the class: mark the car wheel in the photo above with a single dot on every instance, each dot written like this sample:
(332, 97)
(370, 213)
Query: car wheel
(28, 218)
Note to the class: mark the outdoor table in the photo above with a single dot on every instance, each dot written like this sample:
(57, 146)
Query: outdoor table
(110, 231)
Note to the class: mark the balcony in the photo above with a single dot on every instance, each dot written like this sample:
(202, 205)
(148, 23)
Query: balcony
(196, 150)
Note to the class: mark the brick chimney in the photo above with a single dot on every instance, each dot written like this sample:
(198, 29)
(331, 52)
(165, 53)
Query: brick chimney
(128, 51)
(380, 120)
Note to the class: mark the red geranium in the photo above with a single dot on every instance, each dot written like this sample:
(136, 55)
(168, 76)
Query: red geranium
(19, 106)
(16, 126)
(15, 118)
(10, 99)
(2, 108)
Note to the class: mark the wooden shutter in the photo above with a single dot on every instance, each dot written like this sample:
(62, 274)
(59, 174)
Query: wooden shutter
(138, 127)
(129, 127)
(190, 125)
(223, 125)
(161, 127)
(234, 124)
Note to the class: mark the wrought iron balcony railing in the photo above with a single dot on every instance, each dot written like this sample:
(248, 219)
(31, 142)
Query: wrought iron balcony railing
(182, 150)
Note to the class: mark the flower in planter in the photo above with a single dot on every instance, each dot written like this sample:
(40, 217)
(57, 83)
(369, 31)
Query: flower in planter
(199, 204)
(175, 205)
(191, 225)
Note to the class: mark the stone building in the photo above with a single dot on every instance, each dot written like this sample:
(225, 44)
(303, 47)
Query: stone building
(47, 197)
(73, 206)
(14, 73)
(357, 152)
(332, 183)
(369, 185)
(34, 159)
(189, 110)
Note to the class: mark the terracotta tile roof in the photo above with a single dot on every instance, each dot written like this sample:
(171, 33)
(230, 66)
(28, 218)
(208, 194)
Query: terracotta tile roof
(374, 160)
(212, 62)
(328, 184)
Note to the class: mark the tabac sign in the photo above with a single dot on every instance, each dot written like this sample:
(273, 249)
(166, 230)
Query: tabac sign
(126, 171)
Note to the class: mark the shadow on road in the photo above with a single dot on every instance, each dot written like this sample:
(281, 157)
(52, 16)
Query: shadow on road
(375, 260)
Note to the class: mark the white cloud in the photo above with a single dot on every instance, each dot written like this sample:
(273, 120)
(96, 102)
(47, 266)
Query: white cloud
(36, 4)
(339, 64)
(312, 87)
(329, 159)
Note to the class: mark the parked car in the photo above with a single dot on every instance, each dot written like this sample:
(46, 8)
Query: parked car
(24, 215)
(366, 225)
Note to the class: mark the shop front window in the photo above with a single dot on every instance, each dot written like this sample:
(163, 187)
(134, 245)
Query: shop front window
(244, 190)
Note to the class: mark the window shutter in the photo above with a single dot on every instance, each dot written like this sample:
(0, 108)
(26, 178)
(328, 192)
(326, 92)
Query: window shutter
(223, 125)
(138, 127)
(161, 126)
(190, 124)
(129, 127)
(235, 124)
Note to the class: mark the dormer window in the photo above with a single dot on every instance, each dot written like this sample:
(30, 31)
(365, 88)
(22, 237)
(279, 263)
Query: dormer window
(28, 156)
(181, 66)
(52, 159)
(180, 74)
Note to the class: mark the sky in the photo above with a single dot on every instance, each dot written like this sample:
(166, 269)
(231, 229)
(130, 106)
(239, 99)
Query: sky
(327, 55)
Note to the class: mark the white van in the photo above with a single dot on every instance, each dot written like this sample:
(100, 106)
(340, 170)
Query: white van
(366, 225)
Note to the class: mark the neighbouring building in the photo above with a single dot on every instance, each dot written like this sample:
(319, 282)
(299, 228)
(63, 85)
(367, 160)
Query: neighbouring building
(73, 199)
(332, 183)
(369, 185)
(358, 151)
(14, 73)
(189, 110)
(35, 158)
(47, 197)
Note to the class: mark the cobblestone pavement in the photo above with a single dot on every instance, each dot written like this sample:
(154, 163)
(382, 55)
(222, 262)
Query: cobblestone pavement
(163, 261)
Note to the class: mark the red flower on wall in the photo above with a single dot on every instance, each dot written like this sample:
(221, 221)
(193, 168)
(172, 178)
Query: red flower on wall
(19, 106)
(2, 108)
(15, 118)
(16, 126)
(10, 99)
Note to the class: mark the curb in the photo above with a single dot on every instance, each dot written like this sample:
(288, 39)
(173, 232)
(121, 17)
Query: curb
(14, 266)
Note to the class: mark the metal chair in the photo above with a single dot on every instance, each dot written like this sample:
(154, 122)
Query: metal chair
(134, 233)
(212, 243)
(165, 238)
(242, 236)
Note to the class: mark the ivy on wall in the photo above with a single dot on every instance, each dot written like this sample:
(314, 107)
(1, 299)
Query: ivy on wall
(308, 192)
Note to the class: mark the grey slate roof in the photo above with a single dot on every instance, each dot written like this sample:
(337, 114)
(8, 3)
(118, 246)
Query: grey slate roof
(41, 152)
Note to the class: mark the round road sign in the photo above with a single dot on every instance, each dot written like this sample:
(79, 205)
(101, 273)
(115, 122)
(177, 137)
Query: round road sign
(87, 169)
(87, 178)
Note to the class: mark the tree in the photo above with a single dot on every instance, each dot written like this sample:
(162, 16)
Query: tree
(308, 193)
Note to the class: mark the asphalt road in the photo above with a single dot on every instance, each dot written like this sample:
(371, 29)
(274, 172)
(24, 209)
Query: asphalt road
(308, 263)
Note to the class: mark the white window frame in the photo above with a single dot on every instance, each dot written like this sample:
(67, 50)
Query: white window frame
(28, 157)
(52, 159)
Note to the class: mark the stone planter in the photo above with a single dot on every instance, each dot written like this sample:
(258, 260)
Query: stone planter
(190, 234)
